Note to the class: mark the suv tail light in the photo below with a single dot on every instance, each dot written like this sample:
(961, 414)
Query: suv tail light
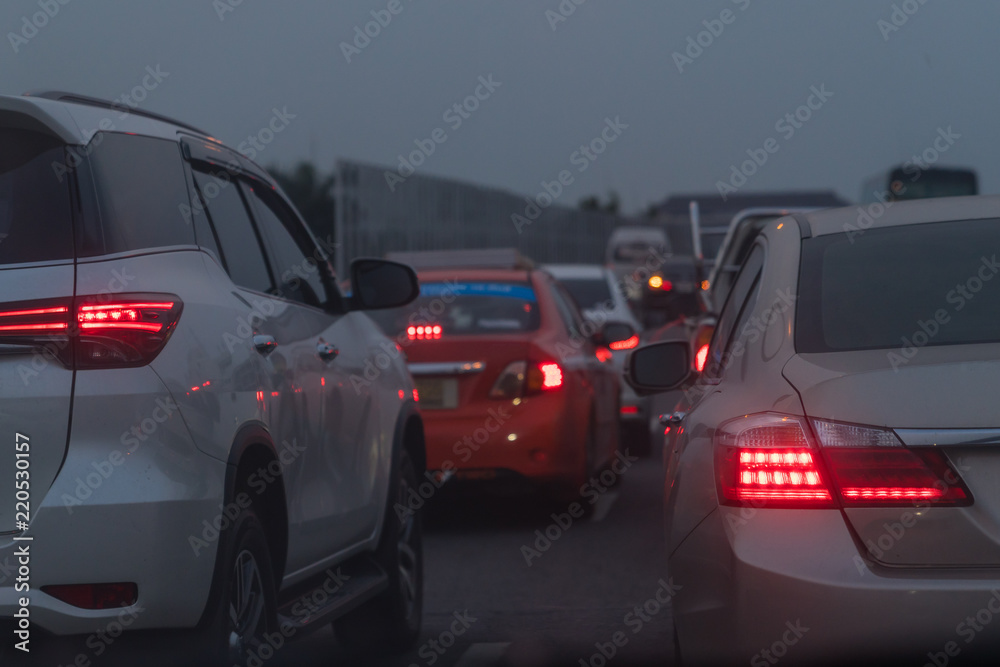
(86, 333)
(522, 378)
(772, 458)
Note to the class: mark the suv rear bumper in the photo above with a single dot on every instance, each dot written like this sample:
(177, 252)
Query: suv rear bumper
(130, 504)
(792, 582)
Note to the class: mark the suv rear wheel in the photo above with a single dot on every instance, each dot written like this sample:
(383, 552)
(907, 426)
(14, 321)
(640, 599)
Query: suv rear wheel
(391, 622)
(247, 606)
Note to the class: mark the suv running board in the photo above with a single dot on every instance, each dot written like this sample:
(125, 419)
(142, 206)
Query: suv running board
(336, 592)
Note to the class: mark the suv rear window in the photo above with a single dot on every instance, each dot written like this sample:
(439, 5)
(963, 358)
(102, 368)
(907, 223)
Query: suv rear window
(931, 284)
(466, 308)
(36, 222)
(142, 193)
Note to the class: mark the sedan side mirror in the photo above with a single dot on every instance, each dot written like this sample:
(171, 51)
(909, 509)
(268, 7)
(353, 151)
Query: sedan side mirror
(659, 367)
(614, 332)
(378, 284)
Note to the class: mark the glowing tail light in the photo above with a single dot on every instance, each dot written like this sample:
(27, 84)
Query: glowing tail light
(627, 344)
(700, 358)
(86, 333)
(772, 459)
(424, 332)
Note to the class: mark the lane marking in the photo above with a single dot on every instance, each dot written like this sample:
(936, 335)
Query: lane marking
(604, 505)
(483, 655)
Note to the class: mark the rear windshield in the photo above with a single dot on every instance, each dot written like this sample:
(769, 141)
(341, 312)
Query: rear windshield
(35, 214)
(466, 308)
(589, 293)
(900, 287)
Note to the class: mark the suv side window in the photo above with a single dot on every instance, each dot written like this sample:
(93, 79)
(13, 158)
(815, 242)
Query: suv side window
(239, 244)
(299, 269)
(738, 307)
(141, 192)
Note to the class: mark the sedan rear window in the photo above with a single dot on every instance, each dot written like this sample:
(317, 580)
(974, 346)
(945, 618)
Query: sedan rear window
(466, 308)
(35, 213)
(900, 287)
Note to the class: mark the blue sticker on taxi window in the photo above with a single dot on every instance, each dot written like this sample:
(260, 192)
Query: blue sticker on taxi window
(508, 290)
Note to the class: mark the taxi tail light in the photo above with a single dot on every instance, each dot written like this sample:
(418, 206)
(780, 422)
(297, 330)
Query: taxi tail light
(543, 377)
(424, 332)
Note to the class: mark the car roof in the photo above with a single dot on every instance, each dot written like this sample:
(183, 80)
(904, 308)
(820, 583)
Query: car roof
(895, 214)
(571, 271)
(636, 233)
(75, 121)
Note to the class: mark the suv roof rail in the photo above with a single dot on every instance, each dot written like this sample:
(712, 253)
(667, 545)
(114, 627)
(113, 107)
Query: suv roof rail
(60, 96)
(475, 258)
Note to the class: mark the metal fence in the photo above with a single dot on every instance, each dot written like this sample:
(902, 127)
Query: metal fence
(428, 213)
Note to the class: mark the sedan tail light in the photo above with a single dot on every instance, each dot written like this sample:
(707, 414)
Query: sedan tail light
(772, 458)
(523, 378)
(91, 333)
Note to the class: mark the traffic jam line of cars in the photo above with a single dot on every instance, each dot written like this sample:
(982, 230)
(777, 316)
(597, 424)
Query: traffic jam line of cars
(830, 468)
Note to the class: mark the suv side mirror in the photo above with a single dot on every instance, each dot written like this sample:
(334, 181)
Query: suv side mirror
(613, 332)
(379, 283)
(658, 367)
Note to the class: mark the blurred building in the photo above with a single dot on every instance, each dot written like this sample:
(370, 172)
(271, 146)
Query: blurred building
(424, 212)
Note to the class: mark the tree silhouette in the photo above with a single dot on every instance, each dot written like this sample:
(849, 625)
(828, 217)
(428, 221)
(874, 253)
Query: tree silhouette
(311, 192)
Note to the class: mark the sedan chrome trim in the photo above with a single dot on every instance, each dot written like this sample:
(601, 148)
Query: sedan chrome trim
(951, 437)
(448, 368)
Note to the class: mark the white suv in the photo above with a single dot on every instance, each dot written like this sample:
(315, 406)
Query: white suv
(201, 432)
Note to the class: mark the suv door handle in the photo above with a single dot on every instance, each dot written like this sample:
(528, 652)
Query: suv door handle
(264, 344)
(673, 419)
(327, 352)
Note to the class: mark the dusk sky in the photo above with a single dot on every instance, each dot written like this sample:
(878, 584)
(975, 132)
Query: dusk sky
(230, 63)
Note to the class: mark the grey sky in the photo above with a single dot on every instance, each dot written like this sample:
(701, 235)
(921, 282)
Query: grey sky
(609, 59)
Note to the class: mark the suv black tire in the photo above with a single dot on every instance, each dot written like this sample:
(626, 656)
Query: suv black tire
(226, 644)
(391, 622)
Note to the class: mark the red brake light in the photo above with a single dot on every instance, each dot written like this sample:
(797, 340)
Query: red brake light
(90, 334)
(700, 358)
(871, 467)
(629, 410)
(424, 332)
(95, 596)
(552, 377)
(603, 354)
(772, 458)
(767, 458)
(627, 344)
